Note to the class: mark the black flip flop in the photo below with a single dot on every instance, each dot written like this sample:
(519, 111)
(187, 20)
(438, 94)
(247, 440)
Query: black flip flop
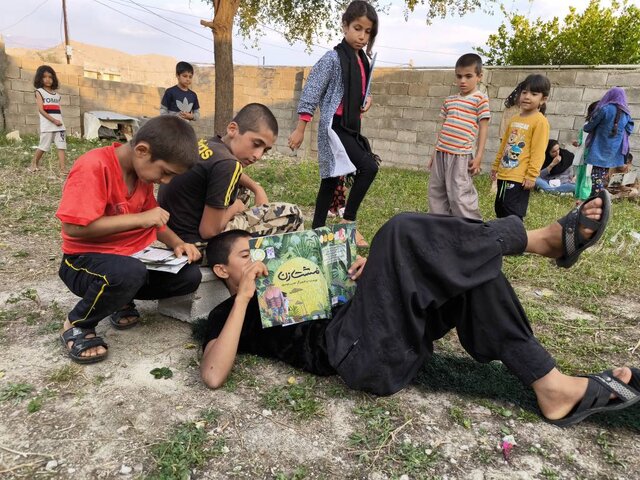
(128, 311)
(81, 343)
(597, 399)
(573, 243)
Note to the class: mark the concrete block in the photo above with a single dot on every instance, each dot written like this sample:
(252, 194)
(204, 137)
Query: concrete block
(197, 305)
(419, 102)
(561, 77)
(633, 94)
(22, 85)
(406, 136)
(561, 121)
(509, 78)
(593, 94)
(418, 89)
(387, 134)
(623, 79)
(412, 113)
(570, 94)
(591, 78)
(12, 71)
(398, 88)
(381, 145)
(504, 92)
(569, 108)
(88, 92)
(440, 91)
(436, 77)
(400, 147)
(426, 126)
(32, 119)
(431, 114)
(399, 100)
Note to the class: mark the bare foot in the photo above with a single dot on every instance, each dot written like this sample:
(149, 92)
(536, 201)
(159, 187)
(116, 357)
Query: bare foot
(547, 241)
(360, 240)
(90, 352)
(558, 394)
(33, 169)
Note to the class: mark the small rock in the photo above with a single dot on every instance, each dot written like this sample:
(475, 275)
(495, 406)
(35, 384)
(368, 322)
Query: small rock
(225, 449)
(266, 412)
(51, 464)
(453, 460)
(125, 469)
(404, 477)
(71, 470)
(138, 467)
(122, 429)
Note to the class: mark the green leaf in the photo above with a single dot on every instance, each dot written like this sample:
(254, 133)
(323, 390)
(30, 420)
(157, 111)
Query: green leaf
(161, 372)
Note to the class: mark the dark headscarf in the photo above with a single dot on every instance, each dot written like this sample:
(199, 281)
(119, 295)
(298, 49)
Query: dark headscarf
(565, 163)
(352, 81)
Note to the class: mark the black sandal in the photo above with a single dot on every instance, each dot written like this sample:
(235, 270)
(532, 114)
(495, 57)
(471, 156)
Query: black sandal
(573, 243)
(598, 399)
(128, 311)
(81, 343)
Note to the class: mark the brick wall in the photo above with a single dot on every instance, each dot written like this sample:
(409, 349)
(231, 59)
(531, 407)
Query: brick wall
(401, 124)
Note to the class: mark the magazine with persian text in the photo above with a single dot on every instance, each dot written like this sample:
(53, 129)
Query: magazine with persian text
(308, 273)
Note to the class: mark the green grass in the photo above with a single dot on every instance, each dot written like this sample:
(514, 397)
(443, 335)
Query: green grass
(298, 397)
(378, 442)
(188, 446)
(15, 392)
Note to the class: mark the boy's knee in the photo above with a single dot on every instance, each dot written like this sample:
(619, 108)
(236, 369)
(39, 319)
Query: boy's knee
(133, 277)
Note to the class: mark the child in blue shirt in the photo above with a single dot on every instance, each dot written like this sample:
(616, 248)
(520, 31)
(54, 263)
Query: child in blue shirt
(180, 100)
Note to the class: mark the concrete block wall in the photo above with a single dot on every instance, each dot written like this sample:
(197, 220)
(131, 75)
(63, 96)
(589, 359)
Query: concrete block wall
(401, 124)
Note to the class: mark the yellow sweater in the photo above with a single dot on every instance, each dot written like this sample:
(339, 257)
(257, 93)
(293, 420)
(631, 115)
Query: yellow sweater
(521, 152)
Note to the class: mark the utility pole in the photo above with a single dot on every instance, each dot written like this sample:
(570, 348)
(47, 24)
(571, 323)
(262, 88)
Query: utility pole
(67, 48)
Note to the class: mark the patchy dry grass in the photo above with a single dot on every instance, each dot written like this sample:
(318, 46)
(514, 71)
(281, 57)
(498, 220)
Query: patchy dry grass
(270, 421)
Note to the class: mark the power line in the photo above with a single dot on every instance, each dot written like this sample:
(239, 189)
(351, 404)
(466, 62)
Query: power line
(187, 29)
(151, 26)
(147, 7)
(26, 16)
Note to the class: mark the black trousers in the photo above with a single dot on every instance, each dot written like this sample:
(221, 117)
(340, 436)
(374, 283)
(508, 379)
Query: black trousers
(359, 152)
(511, 199)
(425, 275)
(108, 282)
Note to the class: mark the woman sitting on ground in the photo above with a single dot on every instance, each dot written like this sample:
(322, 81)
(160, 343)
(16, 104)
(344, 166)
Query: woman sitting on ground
(556, 175)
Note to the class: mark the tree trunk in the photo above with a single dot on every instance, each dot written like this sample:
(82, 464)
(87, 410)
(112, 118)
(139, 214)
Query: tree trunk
(224, 12)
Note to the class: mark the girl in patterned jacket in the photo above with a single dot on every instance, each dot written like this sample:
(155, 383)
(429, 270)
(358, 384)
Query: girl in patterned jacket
(337, 85)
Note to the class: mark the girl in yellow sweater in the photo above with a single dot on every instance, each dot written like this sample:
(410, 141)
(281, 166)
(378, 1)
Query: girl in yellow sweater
(522, 150)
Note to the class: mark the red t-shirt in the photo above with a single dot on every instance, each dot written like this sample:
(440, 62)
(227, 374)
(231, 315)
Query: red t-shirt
(94, 188)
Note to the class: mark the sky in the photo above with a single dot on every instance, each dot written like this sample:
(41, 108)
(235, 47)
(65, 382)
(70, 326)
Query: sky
(171, 27)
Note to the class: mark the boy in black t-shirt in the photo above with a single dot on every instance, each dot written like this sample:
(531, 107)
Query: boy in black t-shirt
(203, 202)
(426, 274)
(180, 100)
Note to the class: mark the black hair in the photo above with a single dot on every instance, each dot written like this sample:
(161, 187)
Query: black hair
(514, 97)
(170, 139)
(552, 143)
(253, 116)
(182, 67)
(590, 109)
(37, 79)
(219, 247)
(537, 83)
(360, 8)
(470, 60)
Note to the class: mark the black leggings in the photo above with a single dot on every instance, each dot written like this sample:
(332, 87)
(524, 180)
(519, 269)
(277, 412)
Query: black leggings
(367, 169)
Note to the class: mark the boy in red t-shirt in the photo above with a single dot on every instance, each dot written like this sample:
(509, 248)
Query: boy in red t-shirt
(108, 212)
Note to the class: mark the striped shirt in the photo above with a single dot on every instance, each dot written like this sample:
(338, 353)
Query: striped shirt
(461, 118)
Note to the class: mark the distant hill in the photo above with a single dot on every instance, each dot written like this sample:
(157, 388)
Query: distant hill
(156, 70)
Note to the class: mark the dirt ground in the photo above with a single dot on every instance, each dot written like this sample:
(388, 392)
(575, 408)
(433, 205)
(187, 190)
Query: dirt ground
(105, 420)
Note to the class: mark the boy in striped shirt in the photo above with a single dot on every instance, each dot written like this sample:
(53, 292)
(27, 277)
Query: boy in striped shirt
(466, 117)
